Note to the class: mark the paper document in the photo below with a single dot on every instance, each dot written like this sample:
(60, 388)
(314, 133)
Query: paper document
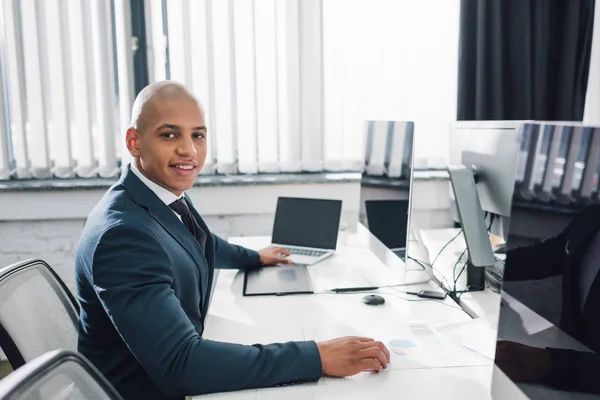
(413, 345)
(478, 334)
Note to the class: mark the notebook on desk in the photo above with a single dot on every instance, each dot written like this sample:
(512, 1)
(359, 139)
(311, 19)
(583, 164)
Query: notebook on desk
(280, 280)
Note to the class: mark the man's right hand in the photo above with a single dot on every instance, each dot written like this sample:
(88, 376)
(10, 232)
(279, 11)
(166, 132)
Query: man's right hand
(348, 356)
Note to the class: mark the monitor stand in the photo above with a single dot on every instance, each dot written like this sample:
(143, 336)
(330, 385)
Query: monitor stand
(475, 232)
(475, 277)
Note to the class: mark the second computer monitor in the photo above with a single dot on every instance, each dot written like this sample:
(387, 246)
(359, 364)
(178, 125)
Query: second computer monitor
(386, 182)
(490, 149)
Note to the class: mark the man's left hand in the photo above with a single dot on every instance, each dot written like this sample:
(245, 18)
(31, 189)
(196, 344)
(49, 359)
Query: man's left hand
(523, 363)
(274, 255)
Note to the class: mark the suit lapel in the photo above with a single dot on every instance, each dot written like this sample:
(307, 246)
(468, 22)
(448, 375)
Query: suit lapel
(158, 210)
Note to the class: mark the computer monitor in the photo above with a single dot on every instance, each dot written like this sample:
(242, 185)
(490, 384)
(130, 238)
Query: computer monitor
(386, 182)
(548, 326)
(490, 149)
(484, 158)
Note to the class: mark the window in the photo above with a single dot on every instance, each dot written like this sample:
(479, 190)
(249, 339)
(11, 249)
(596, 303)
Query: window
(286, 85)
(65, 107)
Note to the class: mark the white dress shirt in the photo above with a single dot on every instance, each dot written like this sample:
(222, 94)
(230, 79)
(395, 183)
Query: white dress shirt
(163, 194)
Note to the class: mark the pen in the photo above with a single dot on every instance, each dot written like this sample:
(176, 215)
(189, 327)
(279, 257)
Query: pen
(354, 289)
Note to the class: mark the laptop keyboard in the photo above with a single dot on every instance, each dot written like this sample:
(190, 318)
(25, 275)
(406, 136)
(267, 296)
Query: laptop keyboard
(305, 252)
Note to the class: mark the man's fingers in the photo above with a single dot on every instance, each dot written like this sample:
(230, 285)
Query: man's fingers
(386, 352)
(281, 250)
(363, 339)
(375, 353)
(369, 364)
(383, 349)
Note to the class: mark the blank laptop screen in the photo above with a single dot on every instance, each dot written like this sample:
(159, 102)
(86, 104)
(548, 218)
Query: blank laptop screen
(307, 222)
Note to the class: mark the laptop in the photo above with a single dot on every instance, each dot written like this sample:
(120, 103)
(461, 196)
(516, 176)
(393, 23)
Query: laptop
(307, 228)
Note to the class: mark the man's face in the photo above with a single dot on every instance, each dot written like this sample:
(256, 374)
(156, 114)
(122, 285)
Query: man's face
(170, 143)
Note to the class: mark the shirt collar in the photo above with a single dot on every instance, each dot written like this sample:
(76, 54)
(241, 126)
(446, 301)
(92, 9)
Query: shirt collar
(163, 194)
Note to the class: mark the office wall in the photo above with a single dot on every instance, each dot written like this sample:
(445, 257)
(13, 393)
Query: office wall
(51, 232)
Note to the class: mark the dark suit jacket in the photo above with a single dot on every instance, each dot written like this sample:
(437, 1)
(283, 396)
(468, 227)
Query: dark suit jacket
(562, 255)
(143, 284)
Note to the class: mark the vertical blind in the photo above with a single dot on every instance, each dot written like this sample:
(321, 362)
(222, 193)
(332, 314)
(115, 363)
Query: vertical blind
(66, 83)
(256, 65)
(62, 95)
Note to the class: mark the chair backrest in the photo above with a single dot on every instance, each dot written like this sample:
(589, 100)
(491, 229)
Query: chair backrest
(57, 375)
(38, 313)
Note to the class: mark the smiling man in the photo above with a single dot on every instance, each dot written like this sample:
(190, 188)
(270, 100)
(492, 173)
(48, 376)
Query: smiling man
(144, 267)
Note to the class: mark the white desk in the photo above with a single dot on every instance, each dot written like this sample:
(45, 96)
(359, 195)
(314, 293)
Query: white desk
(518, 322)
(428, 244)
(265, 319)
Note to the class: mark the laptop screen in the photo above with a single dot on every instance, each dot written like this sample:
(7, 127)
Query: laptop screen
(307, 222)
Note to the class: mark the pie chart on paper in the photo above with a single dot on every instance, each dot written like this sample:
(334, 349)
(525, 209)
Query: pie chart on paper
(403, 347)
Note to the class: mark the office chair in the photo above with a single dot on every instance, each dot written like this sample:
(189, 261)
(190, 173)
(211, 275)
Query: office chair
(57, 375)
(38, 313)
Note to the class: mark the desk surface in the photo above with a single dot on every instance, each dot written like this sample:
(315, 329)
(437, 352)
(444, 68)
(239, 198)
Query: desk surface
(429, 243)
(362, 261)
(518, 322)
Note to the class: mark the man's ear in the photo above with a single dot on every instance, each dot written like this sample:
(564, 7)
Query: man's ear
(132, 137)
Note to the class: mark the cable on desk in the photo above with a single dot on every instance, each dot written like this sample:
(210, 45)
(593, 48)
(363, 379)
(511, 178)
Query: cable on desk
(396, 295)
(454, 277)
(456, 294)
(437, 301)
(446, 245)
(421, 263)
(404, 284)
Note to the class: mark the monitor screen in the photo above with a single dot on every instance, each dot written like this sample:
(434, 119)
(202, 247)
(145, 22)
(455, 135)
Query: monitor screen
(387, 220)
(386, 182)
(549, 320)
(307, 222)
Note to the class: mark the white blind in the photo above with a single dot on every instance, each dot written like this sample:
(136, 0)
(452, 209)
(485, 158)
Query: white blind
(257, 66)
(286, 85)
(65, 104)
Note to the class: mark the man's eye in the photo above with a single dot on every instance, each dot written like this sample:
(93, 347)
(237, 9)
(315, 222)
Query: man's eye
(168, 135)
(199, 135)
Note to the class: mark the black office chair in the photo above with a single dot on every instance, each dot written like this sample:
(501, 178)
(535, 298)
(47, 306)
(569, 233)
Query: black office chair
(38, 313)
(57, 375)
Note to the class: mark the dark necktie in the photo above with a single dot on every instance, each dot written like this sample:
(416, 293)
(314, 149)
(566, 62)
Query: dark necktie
(181, 208)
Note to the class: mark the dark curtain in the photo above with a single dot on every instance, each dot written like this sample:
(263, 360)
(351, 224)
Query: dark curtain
(524, 59)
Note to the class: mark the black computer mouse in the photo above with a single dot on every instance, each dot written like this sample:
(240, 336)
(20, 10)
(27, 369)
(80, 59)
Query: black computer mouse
(373, 300)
